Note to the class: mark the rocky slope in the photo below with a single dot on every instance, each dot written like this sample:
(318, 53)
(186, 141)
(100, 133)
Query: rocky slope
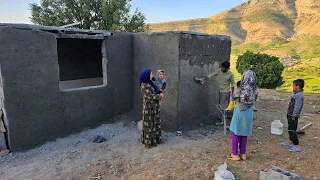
(288, 28)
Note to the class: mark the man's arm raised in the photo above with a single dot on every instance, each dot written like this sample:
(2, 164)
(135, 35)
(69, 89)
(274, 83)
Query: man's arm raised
(209, 76)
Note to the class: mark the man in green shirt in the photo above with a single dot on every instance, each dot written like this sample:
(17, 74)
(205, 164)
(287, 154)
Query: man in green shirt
(225, 79)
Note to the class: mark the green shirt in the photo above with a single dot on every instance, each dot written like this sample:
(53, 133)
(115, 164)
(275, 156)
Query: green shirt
(225, 80)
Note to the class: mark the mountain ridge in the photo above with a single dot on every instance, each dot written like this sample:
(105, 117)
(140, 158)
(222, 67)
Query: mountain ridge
(286, 28)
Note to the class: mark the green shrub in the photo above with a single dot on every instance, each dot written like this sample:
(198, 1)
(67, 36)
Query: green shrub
(268, 68)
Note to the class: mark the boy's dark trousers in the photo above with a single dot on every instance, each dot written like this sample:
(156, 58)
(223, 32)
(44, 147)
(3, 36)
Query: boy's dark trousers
(292, 129)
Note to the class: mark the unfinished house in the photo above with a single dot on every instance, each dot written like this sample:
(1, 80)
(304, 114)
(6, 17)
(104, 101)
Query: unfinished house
(56, 81)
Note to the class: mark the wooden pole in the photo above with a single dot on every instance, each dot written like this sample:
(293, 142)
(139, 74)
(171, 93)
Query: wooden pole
(304, 127)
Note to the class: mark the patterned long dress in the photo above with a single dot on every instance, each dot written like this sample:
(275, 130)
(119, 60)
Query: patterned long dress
(151, 130)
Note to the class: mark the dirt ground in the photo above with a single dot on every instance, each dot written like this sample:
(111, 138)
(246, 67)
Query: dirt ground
(194, 155)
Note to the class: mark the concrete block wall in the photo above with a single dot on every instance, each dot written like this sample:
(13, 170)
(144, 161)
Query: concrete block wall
(158, 51)
(182, 55)
(199, 54)
(35, 108)
(277, 173)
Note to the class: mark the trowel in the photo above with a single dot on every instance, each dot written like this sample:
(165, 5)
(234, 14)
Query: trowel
(198, 80)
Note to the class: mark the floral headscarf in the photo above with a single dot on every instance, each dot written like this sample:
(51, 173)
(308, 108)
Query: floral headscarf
(248, 90)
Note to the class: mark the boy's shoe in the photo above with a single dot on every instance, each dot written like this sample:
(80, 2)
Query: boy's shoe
(198, 80)
(286, 143)
(295, 149)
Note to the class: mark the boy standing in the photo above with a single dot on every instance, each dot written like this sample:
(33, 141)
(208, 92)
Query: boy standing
(295, 107)
(225, 79)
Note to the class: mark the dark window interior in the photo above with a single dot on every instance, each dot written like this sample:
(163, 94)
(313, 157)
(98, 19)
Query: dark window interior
(80, 62)
(79, 58)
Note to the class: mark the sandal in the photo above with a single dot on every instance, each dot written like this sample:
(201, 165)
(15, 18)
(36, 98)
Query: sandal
(234, 158)
(286, 144)
(295, 149)
(243, 157)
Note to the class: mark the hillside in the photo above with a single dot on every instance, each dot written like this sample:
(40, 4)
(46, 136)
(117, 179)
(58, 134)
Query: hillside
(289, 29)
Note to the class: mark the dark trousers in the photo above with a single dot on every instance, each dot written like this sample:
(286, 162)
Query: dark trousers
(292, 129)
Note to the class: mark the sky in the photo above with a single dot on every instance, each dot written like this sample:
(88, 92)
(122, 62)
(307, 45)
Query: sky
(17, 11)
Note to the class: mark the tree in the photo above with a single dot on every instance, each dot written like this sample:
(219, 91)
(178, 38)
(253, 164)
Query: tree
(93, 14)
(268, 68)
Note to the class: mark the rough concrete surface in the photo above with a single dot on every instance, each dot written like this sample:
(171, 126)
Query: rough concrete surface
(37, 111)
(199, 55)
(278, 173)
(158, 51)
(34, 62)
(182, 55)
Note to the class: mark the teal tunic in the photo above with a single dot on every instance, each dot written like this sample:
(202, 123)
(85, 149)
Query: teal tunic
(241, 123)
